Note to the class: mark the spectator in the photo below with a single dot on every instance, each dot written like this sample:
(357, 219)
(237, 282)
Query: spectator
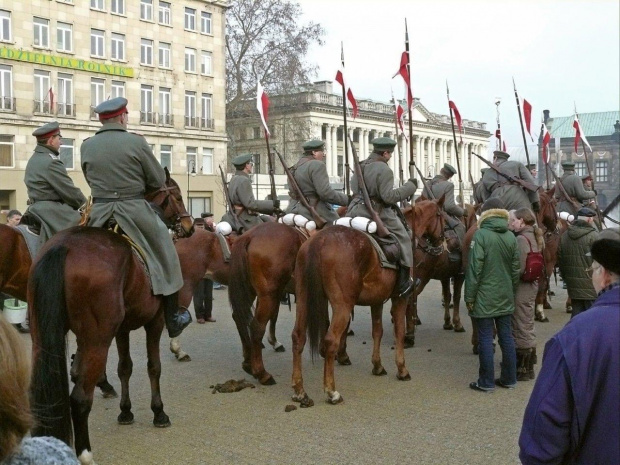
(575, 243)
(13, 217)
(491, 281)
(15, 417)
(572, 416)
(203, 293)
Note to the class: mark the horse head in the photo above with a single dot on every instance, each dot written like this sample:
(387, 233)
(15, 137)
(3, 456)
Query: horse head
(547, 216)
(429, 219)
(169, 201)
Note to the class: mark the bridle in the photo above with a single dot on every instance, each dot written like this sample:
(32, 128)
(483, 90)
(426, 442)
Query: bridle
(169, 212)
(426, 244)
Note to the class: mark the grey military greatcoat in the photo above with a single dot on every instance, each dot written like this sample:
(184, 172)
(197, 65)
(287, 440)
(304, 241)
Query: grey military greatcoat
(441, 186)
(512, 195)
(244, 203)
(574, 188)
(120, 168)
(54, 199)
(311, 176)
(379, 180)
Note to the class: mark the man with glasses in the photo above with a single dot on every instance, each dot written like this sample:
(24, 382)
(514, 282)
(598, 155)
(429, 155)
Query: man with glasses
(573, 262)
(52, 196)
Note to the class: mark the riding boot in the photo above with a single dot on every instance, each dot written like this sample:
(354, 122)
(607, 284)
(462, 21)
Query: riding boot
(523, 357)
(175, 322)
(405, 282)
(533, 361)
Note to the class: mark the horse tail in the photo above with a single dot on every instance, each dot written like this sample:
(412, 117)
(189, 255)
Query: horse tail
(317, 314)
(240, 292)
(50, 382)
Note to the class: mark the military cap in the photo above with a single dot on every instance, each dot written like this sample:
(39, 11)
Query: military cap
(312, 145)
(206, 215)
(241, 160)
(606, 249)
(111, 108)
(449, 168)
(587, 212)
(501, 154)
(568, 165)
(531, 166)
(383, 144)
(47, 130)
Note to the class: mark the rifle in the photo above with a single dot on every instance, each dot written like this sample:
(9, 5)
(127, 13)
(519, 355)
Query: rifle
(229, 204)
(452, 223)
(525, 184)
(560, 186)
(381, 229)
(320, 222)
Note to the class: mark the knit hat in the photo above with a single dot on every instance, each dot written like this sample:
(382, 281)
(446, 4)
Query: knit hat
(606, 250)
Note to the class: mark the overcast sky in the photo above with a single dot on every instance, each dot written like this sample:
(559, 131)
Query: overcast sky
(560, 52)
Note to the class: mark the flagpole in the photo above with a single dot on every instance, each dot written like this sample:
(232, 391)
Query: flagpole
(398, 145)
(456, 151)
(527, 154)
(345, 136)
(545, 150)
(498, 133)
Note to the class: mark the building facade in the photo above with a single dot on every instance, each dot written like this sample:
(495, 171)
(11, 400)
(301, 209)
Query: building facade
(60, 58)
(315, 112)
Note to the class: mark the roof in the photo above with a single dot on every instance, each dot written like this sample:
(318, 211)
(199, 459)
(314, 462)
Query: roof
(592, 124)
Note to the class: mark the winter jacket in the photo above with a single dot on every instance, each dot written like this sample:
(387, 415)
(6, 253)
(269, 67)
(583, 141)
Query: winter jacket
(523, 317)
(575, 243)
(493, 271)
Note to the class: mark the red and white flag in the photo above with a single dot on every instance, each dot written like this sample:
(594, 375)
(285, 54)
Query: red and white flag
(527, 116)
(262, 105)
(579, 134)
(348, 92)
(457, 116)
(404, 72)
(546, 137)
(400, 116)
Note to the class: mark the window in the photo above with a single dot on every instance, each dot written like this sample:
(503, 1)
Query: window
(65, 106)
(165, 156)
(190, 109)
(164, 55)
(117, 47)
(118, 7)
(581, 168)
(64, 37)
(41, 32)
(42, 91)
(146, 104)
(6, 88)
(190, 19)
(6, 151)
(602, 173)
(206, 115)
(97, 90)
(192, 156)
(165, 107)
(118, 89)
(207, 160)
(5, 26)
(256, 159)
(66, 152)
(190, 60)
(97, 48)
(164, 13)
(97, 5)
(146, 52)
(198, 205)
(205, 22)
(146, 10)
(256, 133)
(205, 63)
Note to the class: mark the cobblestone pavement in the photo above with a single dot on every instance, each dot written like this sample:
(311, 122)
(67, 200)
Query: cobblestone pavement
(433, 419)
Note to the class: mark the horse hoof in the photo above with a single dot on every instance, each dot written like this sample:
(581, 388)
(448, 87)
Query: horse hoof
(409, 342)
(280, 348)
(162, 421)
(345, 361)
(351, 333)
(459, 329)
(125, 418)
(406, 377)
(379, 372)
(247, 368)
(184, 358)
(335, 399)
(304, 400)
(448, 326)
(109, 394)
(418, 322)
(268, 382)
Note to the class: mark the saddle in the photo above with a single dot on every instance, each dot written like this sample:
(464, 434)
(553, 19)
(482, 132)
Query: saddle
(32, 222)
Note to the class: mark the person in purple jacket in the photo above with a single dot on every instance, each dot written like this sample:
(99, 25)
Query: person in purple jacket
(573, 416)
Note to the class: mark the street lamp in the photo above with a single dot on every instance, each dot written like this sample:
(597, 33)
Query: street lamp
(193, 173)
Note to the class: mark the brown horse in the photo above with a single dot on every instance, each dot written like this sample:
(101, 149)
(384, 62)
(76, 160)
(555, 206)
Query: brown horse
(339, 266)
(100, 291)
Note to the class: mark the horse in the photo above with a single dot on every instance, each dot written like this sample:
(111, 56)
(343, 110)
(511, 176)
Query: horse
(100, 291)
(339, 266)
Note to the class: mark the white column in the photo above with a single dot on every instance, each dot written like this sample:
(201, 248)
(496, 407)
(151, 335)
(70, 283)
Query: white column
(328, 150)
(334, 136)
(363, 144)
(442, 152)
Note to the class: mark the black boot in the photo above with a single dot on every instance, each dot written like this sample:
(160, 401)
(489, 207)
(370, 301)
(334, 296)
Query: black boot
(405, 282)
(523, 358)
(530, 366)
(175, 322)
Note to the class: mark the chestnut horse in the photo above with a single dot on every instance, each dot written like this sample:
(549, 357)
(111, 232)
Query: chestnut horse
(339, 266)
(100, 291)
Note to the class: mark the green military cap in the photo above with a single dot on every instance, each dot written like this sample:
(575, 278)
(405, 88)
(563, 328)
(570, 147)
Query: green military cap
(312, 145)
(449, 168)
(501, 154)
(241, 160)
(47, 130)
(383, 144)
(568, 165)
(531, 166)
(111, 108)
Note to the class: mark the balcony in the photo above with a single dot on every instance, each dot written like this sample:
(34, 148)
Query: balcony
(65, 109)
(207, 123)
(147, 117)
(165, 119)
(191, 122)
(7, 103)
(41, 106)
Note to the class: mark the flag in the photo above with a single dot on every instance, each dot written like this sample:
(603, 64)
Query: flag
(580, 135)
(262, 105)
(527, 115)
(457, 115)
(348, 92)
(498, 133)
(546, 137)
(404, 72)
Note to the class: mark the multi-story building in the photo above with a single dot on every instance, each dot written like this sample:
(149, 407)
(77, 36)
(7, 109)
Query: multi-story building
(315, 112)
(60, 58)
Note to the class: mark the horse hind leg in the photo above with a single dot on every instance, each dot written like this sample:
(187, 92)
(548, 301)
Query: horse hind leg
(447, 297)
(125, 368)
(343, 357)
(153, 336)
(271, 337)
(341, 315)
(177, 350)
(264, 311)
(299, 337)
(398, 316)
(376, 312)
(456, 314)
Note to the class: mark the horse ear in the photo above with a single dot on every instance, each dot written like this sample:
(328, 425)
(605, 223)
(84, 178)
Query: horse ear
(441, 200)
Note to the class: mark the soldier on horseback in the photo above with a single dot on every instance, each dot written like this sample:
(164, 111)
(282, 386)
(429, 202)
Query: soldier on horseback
(120, 168)
(480, 193)
(311, 176)
(573, 185)
(245, 206)
(379, 180)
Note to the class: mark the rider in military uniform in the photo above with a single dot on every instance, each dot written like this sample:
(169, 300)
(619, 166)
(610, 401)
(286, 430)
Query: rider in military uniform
(379, 180)
(311, 176)
(533, 169)
(574, 188)
(120, 169)
(480, 193)
(512, 195)
(242, 198)
(53, 198)
(587, 185)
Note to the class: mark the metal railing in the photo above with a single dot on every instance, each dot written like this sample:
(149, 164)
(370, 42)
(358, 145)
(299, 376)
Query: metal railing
(7, 103)
(165, 119)
(207, 123)
(41, 106)
(147, 117)
(65, 109)
(191, 122)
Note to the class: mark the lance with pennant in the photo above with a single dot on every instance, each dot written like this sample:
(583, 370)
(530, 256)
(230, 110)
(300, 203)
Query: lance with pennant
(456, 150)
(347, 186)
(527, 155)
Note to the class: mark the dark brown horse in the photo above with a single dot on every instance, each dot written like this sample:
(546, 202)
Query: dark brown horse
(100, 291)
(339, 266)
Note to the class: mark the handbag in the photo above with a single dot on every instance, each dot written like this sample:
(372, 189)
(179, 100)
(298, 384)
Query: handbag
(534, 265)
